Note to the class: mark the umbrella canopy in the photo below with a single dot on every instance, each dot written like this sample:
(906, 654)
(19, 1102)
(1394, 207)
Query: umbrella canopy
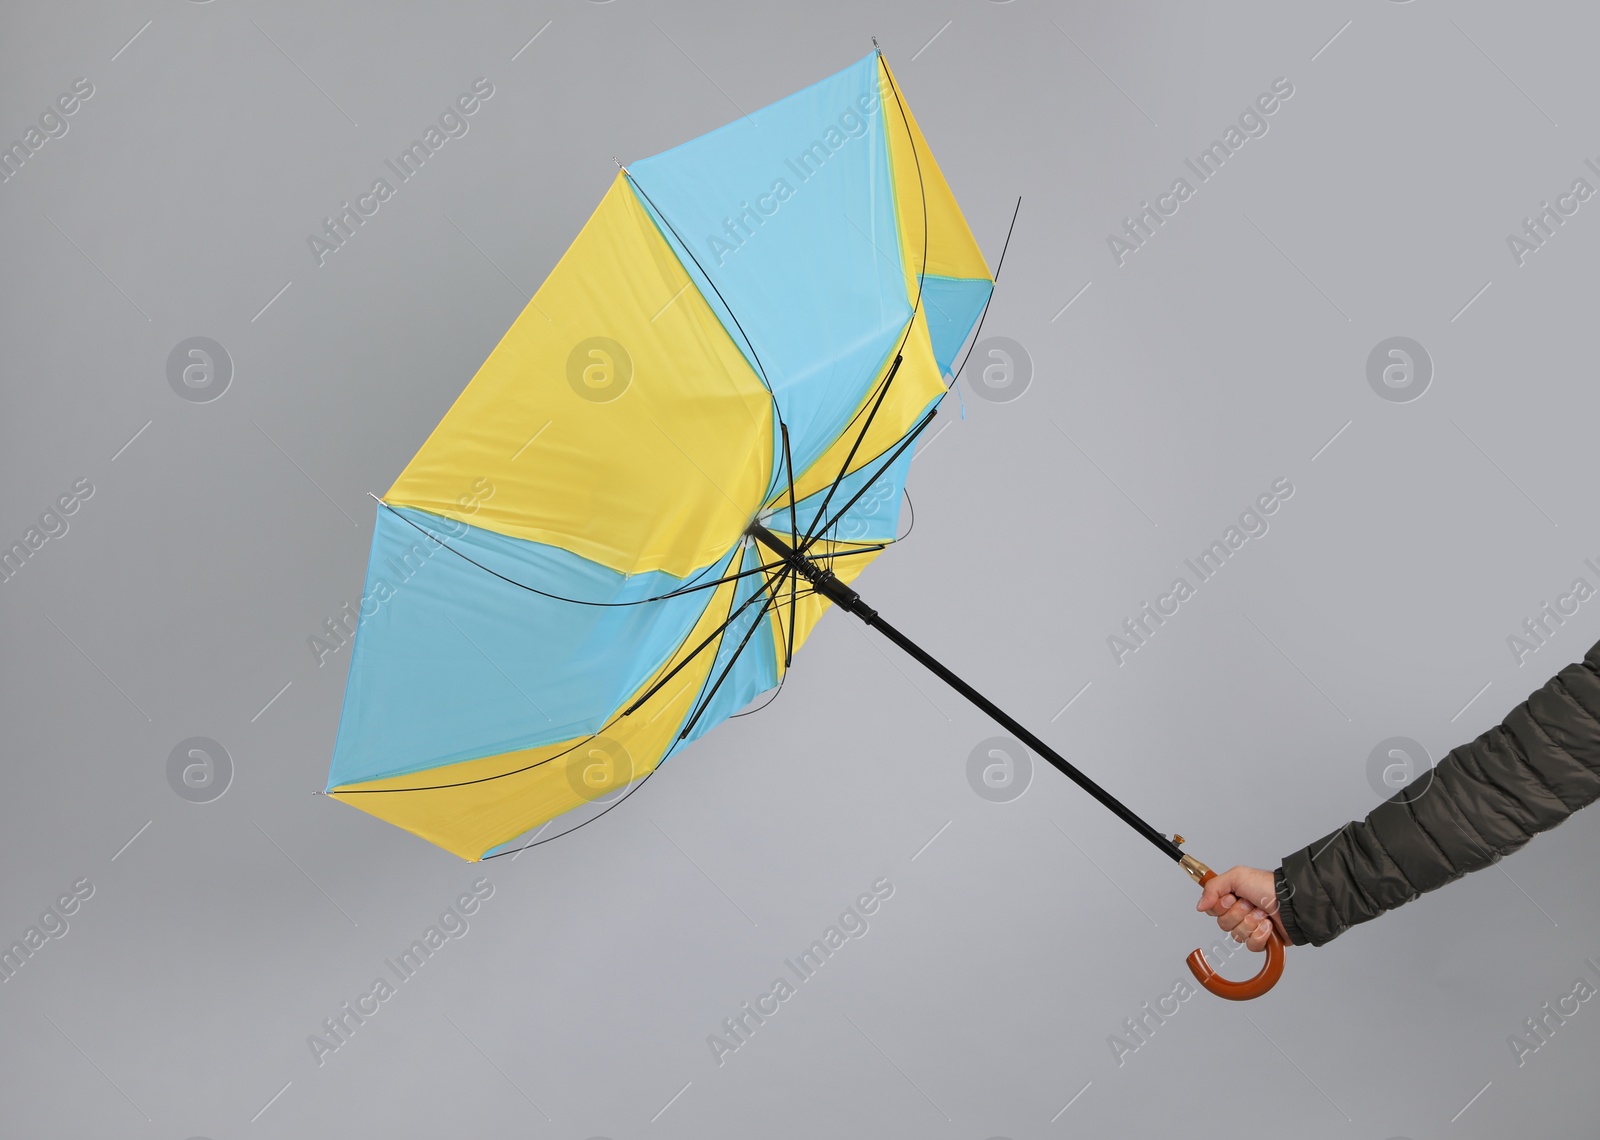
(563, 590)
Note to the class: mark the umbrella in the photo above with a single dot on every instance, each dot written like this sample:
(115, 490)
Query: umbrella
(684, 449)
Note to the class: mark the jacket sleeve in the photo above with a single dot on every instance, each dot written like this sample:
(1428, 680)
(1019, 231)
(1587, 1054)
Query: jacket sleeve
(1482, 801)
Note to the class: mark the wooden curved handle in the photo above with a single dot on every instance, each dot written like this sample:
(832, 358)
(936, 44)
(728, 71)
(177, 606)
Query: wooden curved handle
(1215, 983)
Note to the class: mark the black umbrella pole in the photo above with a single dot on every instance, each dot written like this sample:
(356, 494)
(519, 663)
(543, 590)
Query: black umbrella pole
(847, 599)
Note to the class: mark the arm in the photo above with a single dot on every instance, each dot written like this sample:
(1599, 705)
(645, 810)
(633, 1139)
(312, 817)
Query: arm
(1482, 801)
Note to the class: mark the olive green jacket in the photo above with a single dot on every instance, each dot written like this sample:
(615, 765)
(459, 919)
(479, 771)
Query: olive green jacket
(1484, 800)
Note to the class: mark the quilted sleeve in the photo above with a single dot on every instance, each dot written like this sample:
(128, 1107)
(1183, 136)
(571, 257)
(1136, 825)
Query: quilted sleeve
(1482, 801)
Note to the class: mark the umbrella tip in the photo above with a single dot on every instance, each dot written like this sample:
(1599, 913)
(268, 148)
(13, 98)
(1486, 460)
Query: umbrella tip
(875, 46)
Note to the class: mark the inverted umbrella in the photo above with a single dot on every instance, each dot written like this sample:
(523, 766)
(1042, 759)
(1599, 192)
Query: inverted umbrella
(685, 448)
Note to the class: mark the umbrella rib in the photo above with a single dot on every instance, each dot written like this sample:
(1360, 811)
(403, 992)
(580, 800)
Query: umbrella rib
(788, 463)
(788, 637)
(575, 827)
(794, 536)
(922, 274)
(733, 617)
(766, 383)
(634, 182)
(912, 507)
(755, 623)
(983, 316)
(844, 469)
(762, 707)
(976, 332)
(862, 548)
(906, 442)
(680, 591)
(911, 141)
(867, 546)
(785, 638)
(639, 784)
(787, 629)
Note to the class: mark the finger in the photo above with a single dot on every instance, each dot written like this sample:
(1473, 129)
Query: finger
(1255, 931)
(1223, 905)
(1234, 915)
(1244, 920)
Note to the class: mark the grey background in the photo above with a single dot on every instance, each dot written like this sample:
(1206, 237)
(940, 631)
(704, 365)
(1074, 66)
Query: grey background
(1226, 353)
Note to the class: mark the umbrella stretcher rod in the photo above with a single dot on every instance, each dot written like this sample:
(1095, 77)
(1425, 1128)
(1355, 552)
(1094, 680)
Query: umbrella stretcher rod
(829, 586)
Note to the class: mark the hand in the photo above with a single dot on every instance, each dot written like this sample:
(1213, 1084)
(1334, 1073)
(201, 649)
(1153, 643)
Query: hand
(1244, 901)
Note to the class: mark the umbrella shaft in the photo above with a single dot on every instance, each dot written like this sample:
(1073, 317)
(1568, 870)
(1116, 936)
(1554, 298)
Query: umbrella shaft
(847, 599)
